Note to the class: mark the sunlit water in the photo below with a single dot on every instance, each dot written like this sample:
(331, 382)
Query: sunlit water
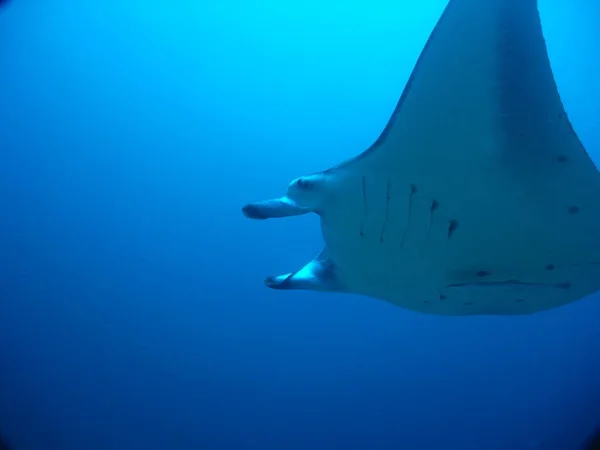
(132, 312)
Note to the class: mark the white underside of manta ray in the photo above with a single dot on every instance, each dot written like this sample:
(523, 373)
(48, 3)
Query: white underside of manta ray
(477, 198)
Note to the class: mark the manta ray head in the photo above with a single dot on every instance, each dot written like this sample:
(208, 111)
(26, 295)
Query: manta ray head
(308, 192)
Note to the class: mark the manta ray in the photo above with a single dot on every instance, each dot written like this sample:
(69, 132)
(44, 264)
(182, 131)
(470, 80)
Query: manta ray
(477, 198)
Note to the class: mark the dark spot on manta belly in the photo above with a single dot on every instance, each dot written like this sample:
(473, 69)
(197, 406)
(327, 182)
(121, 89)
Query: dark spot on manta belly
(443, 297)
(508, 283)
(452, 226)
(562, 159)
(519, 300)
(573, 210)
(550, 267)
(482, 273)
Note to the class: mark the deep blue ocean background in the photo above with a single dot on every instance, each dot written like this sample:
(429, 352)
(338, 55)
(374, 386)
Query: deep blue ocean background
(132, 310)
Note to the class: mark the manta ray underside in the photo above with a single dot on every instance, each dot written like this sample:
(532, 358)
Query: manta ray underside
(477, 197)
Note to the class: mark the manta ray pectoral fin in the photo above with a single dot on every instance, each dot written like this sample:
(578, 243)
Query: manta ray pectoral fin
(317, 275)
(277, 207)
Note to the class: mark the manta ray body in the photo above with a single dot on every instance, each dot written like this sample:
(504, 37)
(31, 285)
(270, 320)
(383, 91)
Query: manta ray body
(477, 197)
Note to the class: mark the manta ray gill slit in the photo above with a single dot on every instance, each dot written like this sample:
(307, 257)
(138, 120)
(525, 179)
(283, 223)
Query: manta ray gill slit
(364, 196)
(412, 192)
(388, 196)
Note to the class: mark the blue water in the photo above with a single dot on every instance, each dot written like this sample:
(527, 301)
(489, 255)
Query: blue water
(132, 309)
